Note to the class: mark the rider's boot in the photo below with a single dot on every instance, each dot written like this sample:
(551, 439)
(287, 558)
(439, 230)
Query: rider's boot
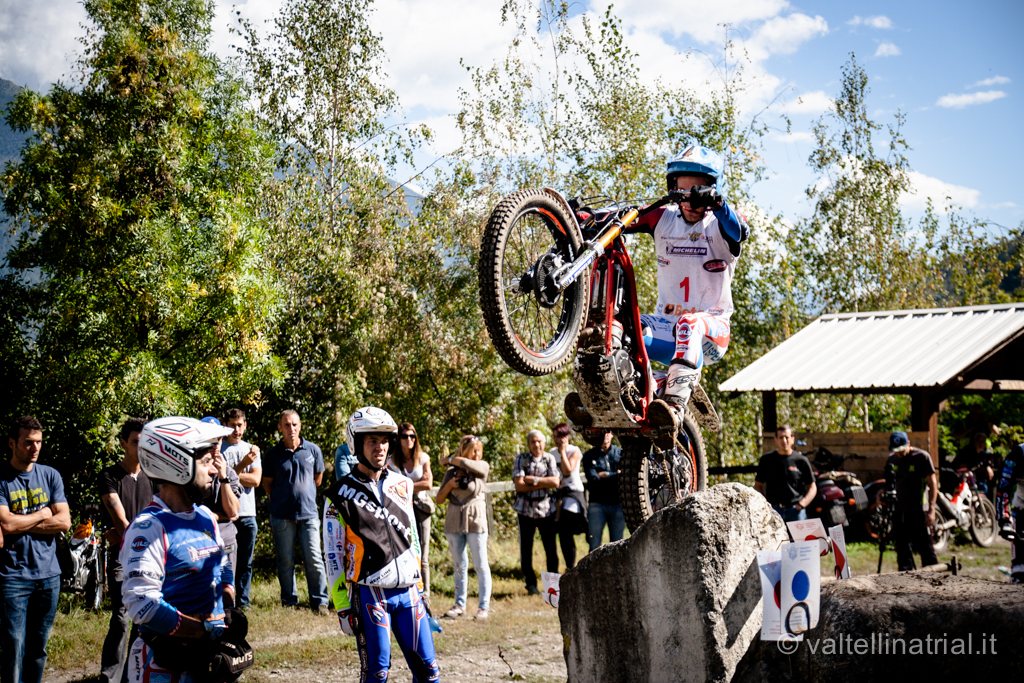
(666, 414)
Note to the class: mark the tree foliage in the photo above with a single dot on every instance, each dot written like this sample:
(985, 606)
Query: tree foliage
(141, 286)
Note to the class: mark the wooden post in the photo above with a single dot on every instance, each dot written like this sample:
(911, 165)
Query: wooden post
(769, 410)
(924, 417)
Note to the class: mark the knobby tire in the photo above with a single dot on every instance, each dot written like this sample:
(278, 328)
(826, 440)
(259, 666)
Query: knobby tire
(532, 339)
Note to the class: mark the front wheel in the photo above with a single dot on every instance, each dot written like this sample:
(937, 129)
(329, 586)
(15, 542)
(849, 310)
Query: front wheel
(96, 582)
(940, 537)
(653, 479)
(533, 327)
(984, 524)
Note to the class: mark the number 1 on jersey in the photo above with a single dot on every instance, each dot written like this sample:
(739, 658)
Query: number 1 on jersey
(685, 286)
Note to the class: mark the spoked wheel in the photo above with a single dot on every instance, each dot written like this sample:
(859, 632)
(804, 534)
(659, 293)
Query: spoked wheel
(651, 480)
(533, 326)
(96, 582)
(940, 537)
(984, 525)
(879, 519)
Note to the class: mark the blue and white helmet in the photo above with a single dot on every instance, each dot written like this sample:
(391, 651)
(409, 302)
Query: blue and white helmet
(168, 447)
(695, 160)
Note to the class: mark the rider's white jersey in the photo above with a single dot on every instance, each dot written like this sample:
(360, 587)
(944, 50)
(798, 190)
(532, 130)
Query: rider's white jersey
(695, 266)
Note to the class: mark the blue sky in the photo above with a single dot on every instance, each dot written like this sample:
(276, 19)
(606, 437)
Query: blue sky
(954, 69)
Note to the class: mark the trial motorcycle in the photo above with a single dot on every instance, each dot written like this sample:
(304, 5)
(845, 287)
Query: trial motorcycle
(557, 283)
(82, 561)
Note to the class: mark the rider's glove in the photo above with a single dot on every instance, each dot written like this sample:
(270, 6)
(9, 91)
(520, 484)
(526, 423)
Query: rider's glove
(706, 197)
(1007, 531)
(215, 630)
(349, 621)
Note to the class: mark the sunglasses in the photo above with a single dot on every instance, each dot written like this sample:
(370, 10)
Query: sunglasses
(410, 437)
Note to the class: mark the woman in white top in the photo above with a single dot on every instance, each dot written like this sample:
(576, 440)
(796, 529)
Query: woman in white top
(571, 515)
(411, 461)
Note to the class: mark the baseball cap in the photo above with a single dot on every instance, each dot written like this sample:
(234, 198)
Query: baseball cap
(898, 440)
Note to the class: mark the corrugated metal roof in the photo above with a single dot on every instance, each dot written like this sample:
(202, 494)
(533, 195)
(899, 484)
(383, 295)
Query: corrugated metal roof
(888, 349)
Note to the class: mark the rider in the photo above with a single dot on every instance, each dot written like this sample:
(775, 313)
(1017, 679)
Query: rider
(177, 582)
(697, 249)
(1010, 507)
(373, 554)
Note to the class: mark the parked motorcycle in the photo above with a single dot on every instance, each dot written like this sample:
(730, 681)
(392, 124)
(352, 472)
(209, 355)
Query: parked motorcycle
(967, 508)
(556, 281)
(83, 565)
(841, 498)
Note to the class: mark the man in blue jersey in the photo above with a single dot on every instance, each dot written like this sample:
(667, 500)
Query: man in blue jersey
(177, 581)
(33, 511)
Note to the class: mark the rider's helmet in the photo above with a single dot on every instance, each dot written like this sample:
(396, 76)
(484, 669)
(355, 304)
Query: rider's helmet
(168, 447)
(370, 420)
(694, 160)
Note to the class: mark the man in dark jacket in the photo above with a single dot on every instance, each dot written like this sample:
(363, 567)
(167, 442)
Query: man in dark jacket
(911, 471)
(601, 465)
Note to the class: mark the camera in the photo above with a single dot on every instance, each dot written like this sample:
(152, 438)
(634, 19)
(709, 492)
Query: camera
(464, 481)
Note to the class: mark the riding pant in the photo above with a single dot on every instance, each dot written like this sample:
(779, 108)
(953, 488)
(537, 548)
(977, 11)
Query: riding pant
(402, 610)
(695, 338)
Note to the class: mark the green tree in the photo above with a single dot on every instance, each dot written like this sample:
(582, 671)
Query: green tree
(140, 254)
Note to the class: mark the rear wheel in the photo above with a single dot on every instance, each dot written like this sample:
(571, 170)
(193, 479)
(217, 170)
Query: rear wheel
(653, 479)
(984, 525)
(96, 582)
(879, 519)
(533, 327)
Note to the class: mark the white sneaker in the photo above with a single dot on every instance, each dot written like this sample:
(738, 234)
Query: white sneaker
(454, 612)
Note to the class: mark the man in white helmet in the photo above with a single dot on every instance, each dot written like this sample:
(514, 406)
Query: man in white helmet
(177, 582)
(373, 554)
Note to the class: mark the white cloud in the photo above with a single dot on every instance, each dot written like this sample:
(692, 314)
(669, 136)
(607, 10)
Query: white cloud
(952, 101)
(37, 41)
(704, 25)
(809, 104)
(995, 80)
(795, 136)
(784, 35)
(878, 21)
(938, 190)
(887, 49)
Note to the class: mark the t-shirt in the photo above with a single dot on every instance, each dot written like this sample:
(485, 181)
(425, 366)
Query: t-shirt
(572, 482)
(909, 472)
(786, 477)
(31, 556)
(233, 454)
(293, 492)
(216, 505)
(537, 503)
(134, 491)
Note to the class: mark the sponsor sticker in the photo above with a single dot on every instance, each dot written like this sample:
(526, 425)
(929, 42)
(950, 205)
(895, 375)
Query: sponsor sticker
(716, 266)
(139, 543)
(662, 261)
(680, 250)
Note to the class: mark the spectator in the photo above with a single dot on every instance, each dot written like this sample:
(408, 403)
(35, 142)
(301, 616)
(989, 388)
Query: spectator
(980, 460)
(785, 477)
(344, 462)
(534, 474)
(244, 459)
(464, 486)
(33, 510)
(294, 469)
(124, 491)
(571, 506)
(223, 499)
(410, 460)
(912, 473)
(601, 463)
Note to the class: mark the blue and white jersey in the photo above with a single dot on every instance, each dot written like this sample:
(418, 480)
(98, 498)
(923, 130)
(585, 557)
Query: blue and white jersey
(174, 563)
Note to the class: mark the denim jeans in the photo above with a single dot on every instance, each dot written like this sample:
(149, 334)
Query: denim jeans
(599, 514)
(460, 566)
(789, 513)
(308, 533)
(246, 542)
(27, 609)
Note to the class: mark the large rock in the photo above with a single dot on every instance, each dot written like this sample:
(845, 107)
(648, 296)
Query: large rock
(680, 600)
(903, 627)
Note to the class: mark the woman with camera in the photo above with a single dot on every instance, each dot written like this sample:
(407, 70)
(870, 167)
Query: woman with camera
(411, 461)
(465, 524)
(571, 514)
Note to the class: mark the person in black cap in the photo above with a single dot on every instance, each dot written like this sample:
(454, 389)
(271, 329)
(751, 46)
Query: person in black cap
(911, 471)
